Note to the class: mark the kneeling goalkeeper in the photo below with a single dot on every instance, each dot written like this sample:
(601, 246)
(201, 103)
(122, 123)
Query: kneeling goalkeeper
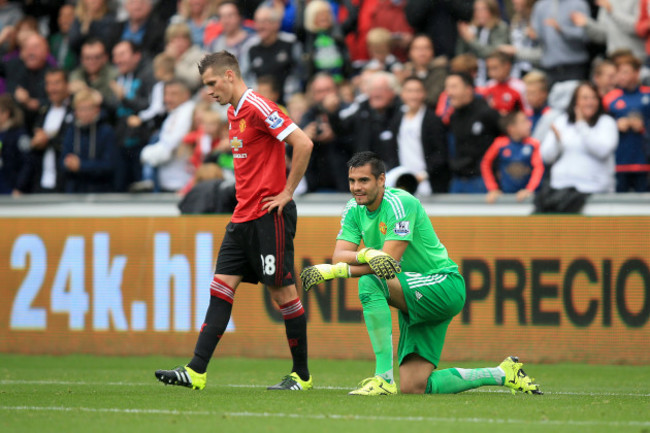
(398, 236)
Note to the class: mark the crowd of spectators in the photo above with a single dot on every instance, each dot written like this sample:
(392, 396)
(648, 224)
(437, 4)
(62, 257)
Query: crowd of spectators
(457, 96)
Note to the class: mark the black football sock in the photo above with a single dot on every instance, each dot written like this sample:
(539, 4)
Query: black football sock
(295, 322)
(216, 321)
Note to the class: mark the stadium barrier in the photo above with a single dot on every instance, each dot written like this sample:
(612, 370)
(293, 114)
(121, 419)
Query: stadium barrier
(548, 288)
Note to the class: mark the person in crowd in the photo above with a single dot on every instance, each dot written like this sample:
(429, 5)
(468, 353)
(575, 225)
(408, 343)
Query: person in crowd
(274, 53)
(141, 27)
(13, 37)
(642, 26)
(438, 19)
(629, 104)
(326, 170)
(199, 16)
(379, 49)
(523, 45)
(60, 41)
(582, 144)
(604, 76)
(472, 128)
(483, 36)
(423, 64)
(536, 91)
(234, 37)
(516, 159)
(166, 154)
(367, 123)
(564, 45)
(614, 25)
(178, 45)
(503, 92)
(420, 140)
(463, 63)
(96, 72)
(93, 19)
(15, 143)
(41, 172)
(323, 46)
(163, 71)
(10, 14)
(25, 76)
(132, 89)
(89, 156)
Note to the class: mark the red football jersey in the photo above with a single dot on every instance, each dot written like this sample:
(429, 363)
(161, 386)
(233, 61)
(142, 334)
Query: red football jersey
(257, 129)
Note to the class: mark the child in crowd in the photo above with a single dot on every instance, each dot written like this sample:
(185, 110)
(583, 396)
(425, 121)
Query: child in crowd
(379, 49)
(536, 86)
(208, 143)
(503, 93)
(163, 71)
(517, 159)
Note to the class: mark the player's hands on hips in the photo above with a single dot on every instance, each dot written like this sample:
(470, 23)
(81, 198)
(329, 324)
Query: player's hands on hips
(383, 265)
(313, 275)
(277, 202)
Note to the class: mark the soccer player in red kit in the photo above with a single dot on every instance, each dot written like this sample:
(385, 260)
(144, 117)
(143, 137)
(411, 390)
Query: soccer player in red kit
(258, 243)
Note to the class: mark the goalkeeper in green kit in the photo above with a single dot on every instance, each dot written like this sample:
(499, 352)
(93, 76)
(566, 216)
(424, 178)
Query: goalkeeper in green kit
(404, 265)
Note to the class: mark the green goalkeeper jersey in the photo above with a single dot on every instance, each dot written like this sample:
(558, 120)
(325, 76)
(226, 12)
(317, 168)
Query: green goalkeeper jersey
(400, 217)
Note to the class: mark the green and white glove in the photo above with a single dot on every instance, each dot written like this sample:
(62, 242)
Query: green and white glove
(383, 265)
(313, 275)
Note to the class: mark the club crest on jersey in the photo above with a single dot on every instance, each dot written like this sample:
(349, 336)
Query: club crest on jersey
(382, 228)
(274, 120)
(402, 228)
(242, 125)
(236, 143)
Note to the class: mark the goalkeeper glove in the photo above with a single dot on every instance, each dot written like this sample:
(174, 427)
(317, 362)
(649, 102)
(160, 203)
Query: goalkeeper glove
(383, 265)
(313, 275)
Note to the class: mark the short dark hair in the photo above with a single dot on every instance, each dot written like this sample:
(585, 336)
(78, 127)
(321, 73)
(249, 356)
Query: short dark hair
(93, 40)
(221, 60)
(57, 70)
(466, 78)
(509, 119)
(179, 82)
(360, 159)
(413, 78)
(135, 48)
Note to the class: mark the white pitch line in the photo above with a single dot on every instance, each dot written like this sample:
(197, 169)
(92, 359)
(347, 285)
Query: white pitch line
(346, 417)
(335, 388)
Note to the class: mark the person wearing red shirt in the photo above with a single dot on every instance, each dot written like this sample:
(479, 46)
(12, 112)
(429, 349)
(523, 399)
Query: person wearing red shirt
(258, 243)
(503, 93)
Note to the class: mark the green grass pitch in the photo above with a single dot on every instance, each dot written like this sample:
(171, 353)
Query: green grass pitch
(120, 394)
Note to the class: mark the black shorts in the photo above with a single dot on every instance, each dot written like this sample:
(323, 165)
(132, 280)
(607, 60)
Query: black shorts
(260, 250)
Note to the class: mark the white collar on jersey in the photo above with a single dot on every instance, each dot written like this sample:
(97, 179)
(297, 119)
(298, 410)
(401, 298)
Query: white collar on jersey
(242, 100)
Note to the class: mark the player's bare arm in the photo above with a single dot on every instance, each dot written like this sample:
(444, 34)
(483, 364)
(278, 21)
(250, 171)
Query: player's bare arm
(302, 146)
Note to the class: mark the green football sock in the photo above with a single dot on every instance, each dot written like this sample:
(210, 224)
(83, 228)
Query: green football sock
(453, 380)
(376, 313)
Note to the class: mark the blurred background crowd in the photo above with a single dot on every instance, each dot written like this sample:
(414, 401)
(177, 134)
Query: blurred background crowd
(457, 96)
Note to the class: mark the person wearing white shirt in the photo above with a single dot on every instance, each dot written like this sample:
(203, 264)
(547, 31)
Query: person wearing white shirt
(166, 154)
(581, 145)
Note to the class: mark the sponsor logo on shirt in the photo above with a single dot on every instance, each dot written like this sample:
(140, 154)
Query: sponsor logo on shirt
(274, 120)
(418, 295)
(620, 104)
(382, 228)
(236, 144)
(477, 128)
(242, 125)
(402, 228)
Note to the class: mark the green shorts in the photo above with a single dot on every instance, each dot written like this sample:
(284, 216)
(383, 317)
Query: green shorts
(432, 301)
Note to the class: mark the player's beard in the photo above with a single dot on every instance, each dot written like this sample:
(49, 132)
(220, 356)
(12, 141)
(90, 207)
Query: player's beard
(368, 199)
